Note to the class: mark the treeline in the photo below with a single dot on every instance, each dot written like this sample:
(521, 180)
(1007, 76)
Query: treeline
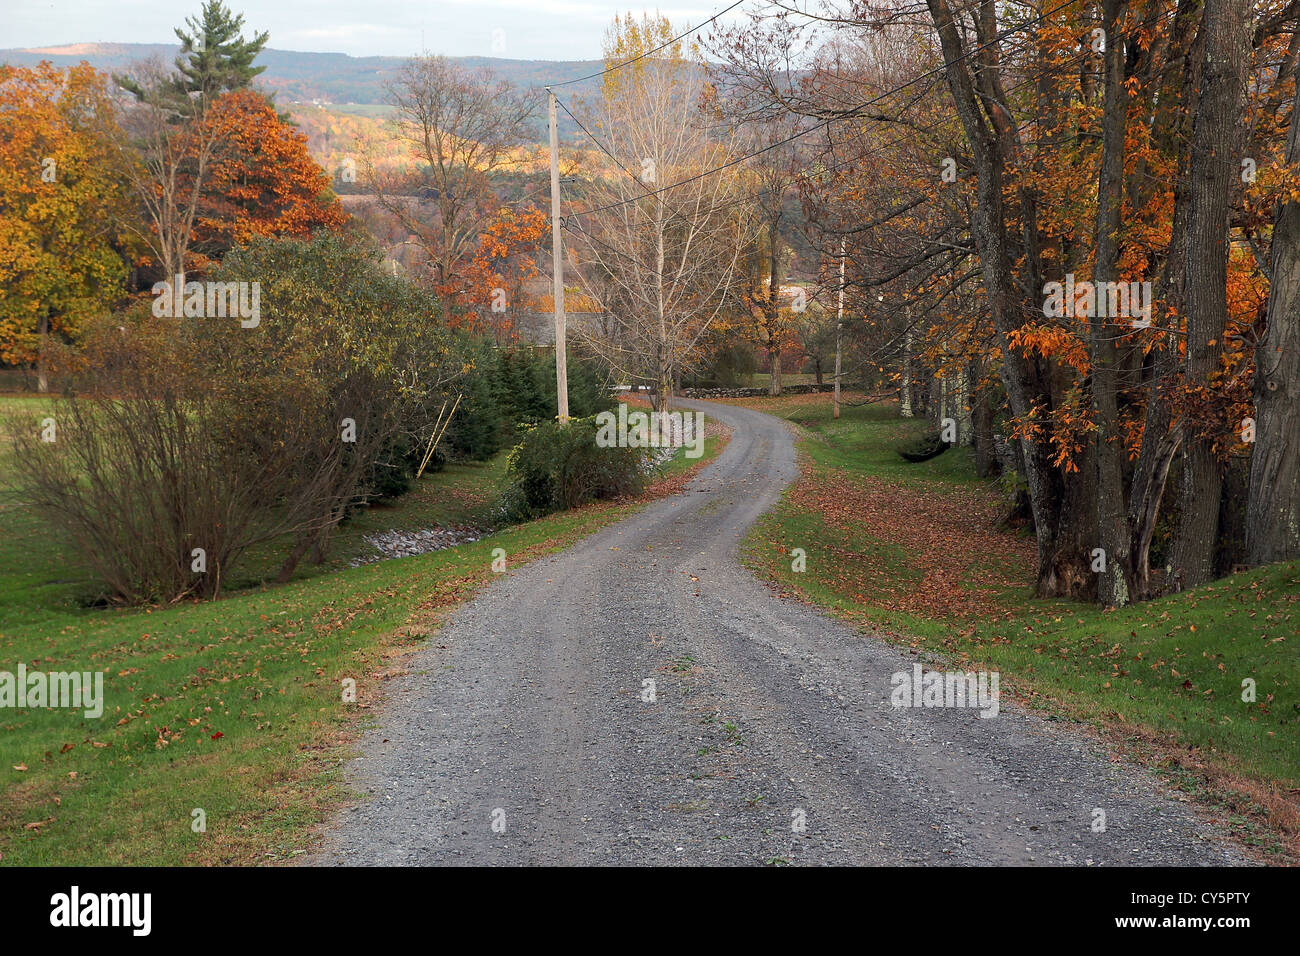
(1071, 228)
(113, 184)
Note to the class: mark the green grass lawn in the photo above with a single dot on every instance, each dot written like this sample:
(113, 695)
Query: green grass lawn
(231, 707)
(1165, 676)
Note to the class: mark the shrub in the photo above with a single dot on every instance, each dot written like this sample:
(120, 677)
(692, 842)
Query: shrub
(163, 476)
(557, 467)
(479, 428)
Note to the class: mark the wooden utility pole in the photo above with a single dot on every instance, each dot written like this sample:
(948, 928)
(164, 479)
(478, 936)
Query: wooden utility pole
(839, 325)
(557, 267)
(905, 397)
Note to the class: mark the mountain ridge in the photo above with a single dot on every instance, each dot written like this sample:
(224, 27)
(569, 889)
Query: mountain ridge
(309, 76)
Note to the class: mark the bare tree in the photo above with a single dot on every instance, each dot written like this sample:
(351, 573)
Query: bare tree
(775, 165)
(165, 156)
(464, 126)
(661, 233)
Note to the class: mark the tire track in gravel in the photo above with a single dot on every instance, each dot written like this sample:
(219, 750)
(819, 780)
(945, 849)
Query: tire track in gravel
(528, 711)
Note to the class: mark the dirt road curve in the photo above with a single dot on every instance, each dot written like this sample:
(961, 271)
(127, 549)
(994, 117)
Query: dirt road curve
(527, 739)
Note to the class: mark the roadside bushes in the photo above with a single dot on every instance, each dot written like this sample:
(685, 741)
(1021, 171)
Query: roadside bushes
(557, 467)
(189, 441)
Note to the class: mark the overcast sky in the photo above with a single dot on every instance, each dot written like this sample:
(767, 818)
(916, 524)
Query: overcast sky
(518, 29)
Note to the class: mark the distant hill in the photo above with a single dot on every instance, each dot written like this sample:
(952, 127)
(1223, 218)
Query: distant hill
(324, 78)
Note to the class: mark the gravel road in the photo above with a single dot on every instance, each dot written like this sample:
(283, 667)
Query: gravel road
(521, 735)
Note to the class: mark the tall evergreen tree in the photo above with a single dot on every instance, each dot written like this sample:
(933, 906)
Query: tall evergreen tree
(215, 58)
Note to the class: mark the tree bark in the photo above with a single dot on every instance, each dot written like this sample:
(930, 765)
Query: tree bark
(1115, 581)
(42, 337)
(986, 458)
(1162, 437)
(772, 305)
(1216, 137)
(1006, 304)
(905, 393)
(1273, 501)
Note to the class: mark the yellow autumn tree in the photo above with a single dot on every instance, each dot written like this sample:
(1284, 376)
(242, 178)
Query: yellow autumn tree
(59, 201)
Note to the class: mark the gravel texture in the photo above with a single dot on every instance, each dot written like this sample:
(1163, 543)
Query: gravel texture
(527, 712)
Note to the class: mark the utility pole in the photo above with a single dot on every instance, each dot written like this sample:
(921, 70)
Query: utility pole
(839, 325)
(557, 267)
(905, 398)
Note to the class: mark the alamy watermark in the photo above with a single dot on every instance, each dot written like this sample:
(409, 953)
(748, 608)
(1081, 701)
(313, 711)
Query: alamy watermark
(651, 430)
(129, 910)
(78, 689)
(937, 689)
(209, 300)
(1103, 300)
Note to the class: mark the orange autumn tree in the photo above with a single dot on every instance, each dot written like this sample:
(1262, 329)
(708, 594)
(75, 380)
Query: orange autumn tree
(491, 286)
(59, 198)
(263, 182)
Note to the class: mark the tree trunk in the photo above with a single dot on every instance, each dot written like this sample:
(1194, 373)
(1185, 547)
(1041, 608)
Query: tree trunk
(986, 458)
(1162, 438)
(905, 393)
(1273, 502)
(1215, 138)
(664, 386)
(1115, 581)
(772, 307)
(1148, 489)
(1068, 568)
(43, 335)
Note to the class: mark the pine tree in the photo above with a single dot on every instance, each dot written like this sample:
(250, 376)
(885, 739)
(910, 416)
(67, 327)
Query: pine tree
(215, 58)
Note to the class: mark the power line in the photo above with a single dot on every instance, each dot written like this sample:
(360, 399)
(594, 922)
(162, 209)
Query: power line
(857, 110)
(635, 178)
(826, 169)
(848, 161)
(642, 56)
(572, 223)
